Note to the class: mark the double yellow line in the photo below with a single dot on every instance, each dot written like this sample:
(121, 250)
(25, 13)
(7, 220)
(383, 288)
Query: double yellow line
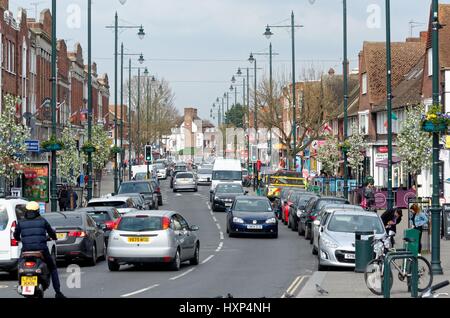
(294, 286)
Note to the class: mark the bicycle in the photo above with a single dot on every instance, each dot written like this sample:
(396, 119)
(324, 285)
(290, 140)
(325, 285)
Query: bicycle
(430, 292)
(374, 273)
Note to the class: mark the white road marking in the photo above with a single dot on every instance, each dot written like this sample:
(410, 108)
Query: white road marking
(181, 275)
(294, 286)
(140, 291)
(214, 218)
(220, 247)
(178, 195)
(221, 235)
(218, 226)
(207, 259)
(3, 286)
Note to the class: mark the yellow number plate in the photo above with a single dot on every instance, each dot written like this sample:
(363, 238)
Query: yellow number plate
(61, 236)
(29, 281)
(138, 240)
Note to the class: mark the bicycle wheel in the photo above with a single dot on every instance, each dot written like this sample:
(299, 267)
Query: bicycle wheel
(373, 276)
(425, 275)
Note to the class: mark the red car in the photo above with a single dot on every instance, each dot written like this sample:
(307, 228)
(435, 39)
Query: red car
(291, 198)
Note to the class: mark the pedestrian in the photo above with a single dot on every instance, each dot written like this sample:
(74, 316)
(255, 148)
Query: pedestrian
(419, 219)
(63, 198)
(369, 195)
(73, 198)
(390, 219)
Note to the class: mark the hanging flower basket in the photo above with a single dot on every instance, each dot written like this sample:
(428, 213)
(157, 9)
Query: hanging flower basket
(345, 146)
(435, 121)
(88, 148)
(431, 127)
(116, 150)
(52, 145)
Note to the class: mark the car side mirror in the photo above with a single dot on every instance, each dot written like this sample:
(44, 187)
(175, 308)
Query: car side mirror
(194, 228)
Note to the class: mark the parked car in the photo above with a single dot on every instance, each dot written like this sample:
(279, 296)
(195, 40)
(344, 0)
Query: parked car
(312, 208)
(290, 199)
(204, 176)
(225, 194)
(278, 203)
(322, 217)
(336, 244)
(79, 237)
(251, 215)
(185, 181)
(142, 187)
(11, 212)
(153, 237)
(157, 189)
(297, 208)
(123, 204)
(106, 217)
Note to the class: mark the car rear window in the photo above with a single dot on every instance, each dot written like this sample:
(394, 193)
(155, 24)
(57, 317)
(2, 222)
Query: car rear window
(100, 216)
(355, 223)
(61, 221)
(115, 204)
(185, 176)
(140, 224)
(324, 202)
(249, 205)
(138, 187)
(3, 218)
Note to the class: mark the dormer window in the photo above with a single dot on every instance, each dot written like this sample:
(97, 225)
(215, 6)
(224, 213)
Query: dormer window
(364, 83)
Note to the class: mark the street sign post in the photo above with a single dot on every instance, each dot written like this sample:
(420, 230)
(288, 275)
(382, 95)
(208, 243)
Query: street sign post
(32, 146)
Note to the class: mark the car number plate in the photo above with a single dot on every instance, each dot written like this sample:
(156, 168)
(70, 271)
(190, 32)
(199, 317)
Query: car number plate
(138, 240)
(229, 204)
(61, 236)
(254, 227)
(349, 256)
(29, 281)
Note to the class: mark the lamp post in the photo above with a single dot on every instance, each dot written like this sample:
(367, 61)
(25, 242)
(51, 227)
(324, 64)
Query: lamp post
(435, 206)
(268, 34)
(53, 194)
(252, 60)
(345, 72)
(141, 35)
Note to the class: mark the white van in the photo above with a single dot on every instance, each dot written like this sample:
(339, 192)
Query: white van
(226, 171)
(12, 210)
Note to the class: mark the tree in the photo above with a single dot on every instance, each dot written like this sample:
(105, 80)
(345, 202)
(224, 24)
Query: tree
(355, 154)
(329, 154)
(414, 146)
(100, 141)
(69, 160)
(13, 135)
(235, 116)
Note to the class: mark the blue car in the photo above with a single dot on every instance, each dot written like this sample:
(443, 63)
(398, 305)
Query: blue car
(253, 216)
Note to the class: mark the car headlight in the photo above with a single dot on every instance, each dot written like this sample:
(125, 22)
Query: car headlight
(271, 221)
(328, 243)
(216, 198)
(299, 212)
(238, 220)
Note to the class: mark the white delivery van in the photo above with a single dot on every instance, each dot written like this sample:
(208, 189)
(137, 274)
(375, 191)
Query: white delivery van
(225, 171)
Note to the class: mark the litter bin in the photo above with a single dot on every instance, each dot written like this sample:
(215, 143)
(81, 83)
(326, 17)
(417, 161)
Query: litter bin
(412, 246)
(363, 250)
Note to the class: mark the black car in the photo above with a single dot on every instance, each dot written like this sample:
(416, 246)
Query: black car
(106, 217)
(141, 187)
(312, 208)
(139, 201)
(157, 188)
(277, 204)
(224, 195)
(297, 208)
(79, 236)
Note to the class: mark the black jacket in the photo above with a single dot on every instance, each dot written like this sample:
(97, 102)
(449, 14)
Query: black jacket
(387, 216)
(32, 232)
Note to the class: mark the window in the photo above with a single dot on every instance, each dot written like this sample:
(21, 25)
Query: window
(183, 223)
(381, 120)
(364, 83)
(364, 123)
(352, 122)
(176, 225)
(430, 62)
(335, 127)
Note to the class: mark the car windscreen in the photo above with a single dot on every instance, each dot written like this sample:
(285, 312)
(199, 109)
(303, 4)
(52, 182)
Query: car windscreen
(58, 220)
(324, 202)
(227, 175)
(160, 166)
(115, 204)
(355, 223)
(138, 187)
(243, 205)
(185, 176)
(204, 171)
(303, 200)
(100, 216)
(141, 176)
(140, 224)
(180, 168)
(229, 188)
(3, 218)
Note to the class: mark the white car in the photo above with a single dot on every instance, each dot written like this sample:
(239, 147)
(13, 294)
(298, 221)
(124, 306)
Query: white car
(161, 171)
(11, 211)
(123, 204)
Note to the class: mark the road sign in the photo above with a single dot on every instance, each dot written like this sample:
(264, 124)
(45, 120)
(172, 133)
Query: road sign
(32, 145)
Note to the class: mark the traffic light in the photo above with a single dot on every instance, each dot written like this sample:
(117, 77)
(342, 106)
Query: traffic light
(148, 153)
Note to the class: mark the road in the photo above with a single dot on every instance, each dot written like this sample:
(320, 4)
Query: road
(243, 267)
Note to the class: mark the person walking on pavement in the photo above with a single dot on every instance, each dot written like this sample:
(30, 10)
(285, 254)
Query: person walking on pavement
(73, 198)
(390, 219)
(419, 219)
(63, 198)
(32, 232)
(369, 194)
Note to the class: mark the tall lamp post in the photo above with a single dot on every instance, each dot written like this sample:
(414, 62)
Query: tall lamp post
(252, 60)
(268, 34)
(435, 206)
(53, 193)
(345, 72)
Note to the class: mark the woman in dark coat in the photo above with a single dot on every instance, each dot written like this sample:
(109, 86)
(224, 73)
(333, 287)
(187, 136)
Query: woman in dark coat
(390, 219)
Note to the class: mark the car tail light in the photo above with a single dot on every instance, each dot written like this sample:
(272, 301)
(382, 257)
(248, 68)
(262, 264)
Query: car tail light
(77, 234)
(165, 223)
(110, 225)
(14, 242)
(30, 264)
(158, 189)
(116, 224)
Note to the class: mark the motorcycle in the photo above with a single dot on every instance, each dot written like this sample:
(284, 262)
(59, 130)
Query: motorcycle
(33, 275)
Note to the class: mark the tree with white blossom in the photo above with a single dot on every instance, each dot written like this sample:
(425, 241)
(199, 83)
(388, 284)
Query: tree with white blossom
(329, 154)
(13, 134)
(355, 154)
(69, 160)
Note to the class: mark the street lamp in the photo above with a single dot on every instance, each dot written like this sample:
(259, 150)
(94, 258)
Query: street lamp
(233, 79)
(345, 72)
(253, 61)
(53, 193)
(141, 59)
(141, 33)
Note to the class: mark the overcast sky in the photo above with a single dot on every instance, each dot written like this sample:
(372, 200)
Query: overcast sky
(197, 45)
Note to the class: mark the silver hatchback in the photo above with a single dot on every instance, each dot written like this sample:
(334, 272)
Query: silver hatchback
(153, 237)
(185, 181)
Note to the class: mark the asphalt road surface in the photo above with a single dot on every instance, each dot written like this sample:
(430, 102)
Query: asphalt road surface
(243, 267)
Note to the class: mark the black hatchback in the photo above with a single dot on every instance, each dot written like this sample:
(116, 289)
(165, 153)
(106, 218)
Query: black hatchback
(104, 217)
(224, 195)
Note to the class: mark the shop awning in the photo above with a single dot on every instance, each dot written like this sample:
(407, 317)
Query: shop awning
(384, 163)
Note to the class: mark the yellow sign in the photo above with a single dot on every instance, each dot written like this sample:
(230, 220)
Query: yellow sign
(138, 240)
(29, 281)
(447, 142)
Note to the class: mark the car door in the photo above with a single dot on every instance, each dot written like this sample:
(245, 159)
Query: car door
(94, 233)
(5, 233)
(190, 237)
(180, 236)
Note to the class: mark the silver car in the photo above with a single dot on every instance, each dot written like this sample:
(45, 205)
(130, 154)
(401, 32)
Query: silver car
(204, 176)
(322, 217)
(185, 181)
(336, 244)
(153, 237)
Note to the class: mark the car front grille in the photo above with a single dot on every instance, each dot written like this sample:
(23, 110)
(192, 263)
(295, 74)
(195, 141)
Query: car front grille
(340, 256)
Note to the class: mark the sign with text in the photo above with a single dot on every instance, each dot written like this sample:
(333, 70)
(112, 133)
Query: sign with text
(36, 182)
(32, 145)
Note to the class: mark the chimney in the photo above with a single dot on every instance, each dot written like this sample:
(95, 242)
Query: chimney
(424, 36)
(189, 116)
(4, 4)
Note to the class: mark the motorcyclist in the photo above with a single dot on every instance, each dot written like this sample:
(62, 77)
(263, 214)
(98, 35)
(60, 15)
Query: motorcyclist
(32, 232)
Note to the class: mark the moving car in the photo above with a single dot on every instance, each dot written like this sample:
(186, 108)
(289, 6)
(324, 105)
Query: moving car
(252, 215)
(139, 201)
(315, 204)
(178, 168)
(141, 187)
(336, 244)
(224, 195)
(79, 237)
(225, 171)
(153, 237)
(204, 176)
(185, 181)
(11, 211)
(246, 178)
(106, 217)
(322, 218)
(123, 204)
(161, 171)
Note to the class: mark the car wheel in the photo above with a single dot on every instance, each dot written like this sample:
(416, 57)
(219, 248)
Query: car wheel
(176, 263)
(196, 190)
(300, 229)
(311, 237)
(92, 261)
(196, 259)
(307, 232)
(289, 222)
(113, 266)
(174, 190)
(314, 251)
(275, 235)
(320, 267)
